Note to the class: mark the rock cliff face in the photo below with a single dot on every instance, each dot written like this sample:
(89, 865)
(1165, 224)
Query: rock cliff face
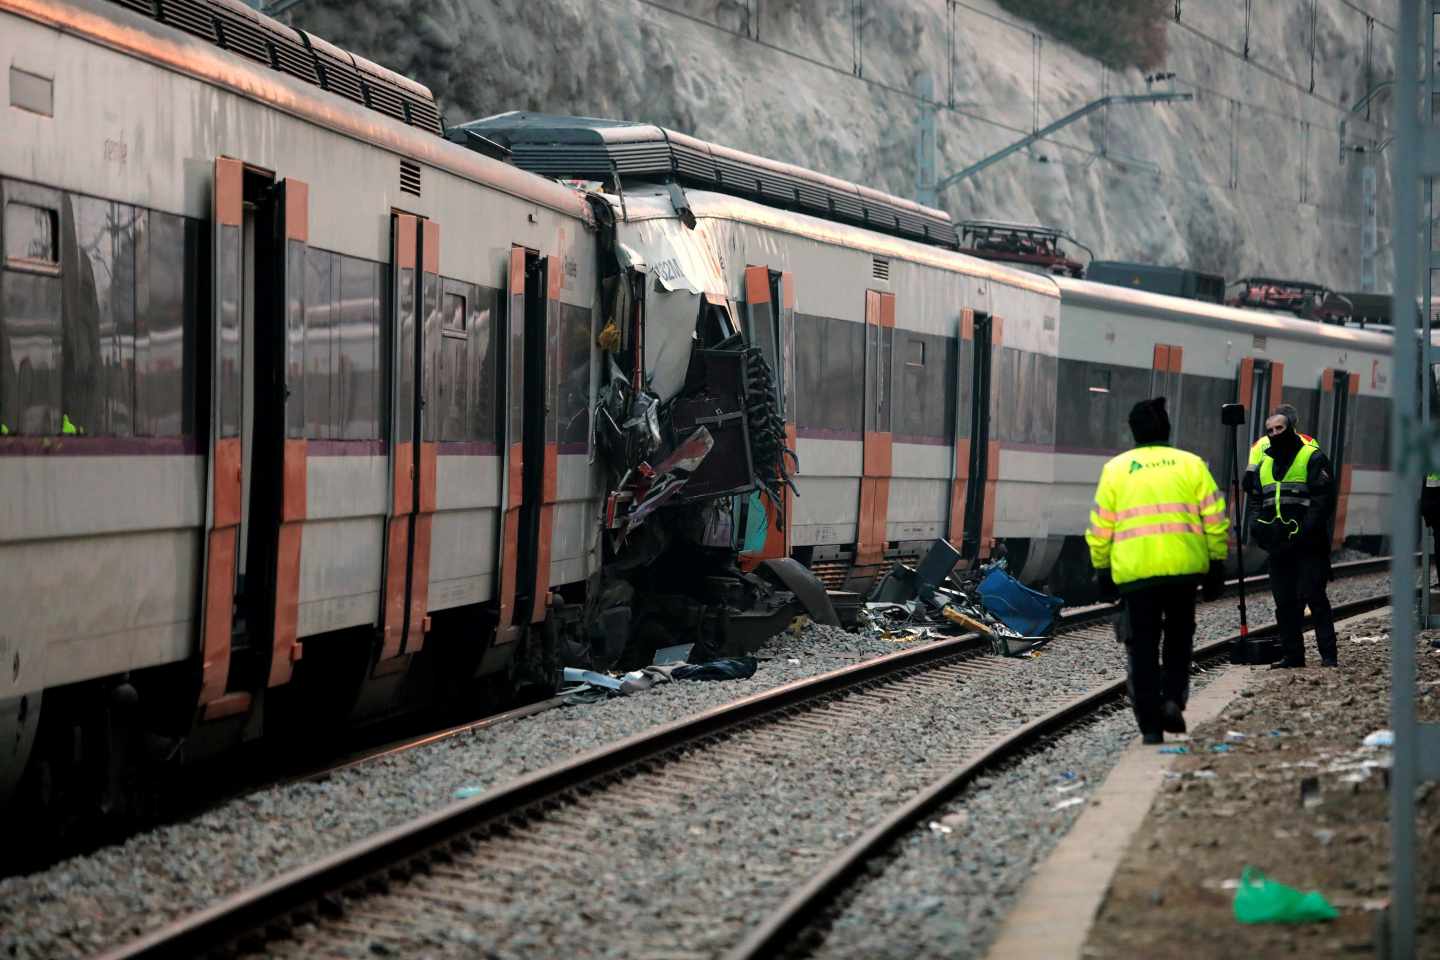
(1250, 177)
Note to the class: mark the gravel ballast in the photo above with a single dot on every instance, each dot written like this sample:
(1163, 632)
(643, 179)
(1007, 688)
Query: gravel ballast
(90, 902)
(952, 882)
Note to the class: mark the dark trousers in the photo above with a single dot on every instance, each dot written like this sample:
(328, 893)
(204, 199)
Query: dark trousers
(1166, 611)
(1298, 580)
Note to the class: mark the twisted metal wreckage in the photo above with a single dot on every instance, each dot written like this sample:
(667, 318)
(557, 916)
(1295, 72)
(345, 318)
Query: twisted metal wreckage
(690, 430)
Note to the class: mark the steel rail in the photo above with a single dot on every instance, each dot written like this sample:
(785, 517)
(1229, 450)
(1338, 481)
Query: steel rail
(1077, 617)
(270, 908)
(782, 927)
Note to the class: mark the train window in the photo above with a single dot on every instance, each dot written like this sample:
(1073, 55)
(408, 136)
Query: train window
(32, 237)
(109, 340)
(826, 371)
(575, 352)
(454, 312)
(320, 282)
(32, 92)
(485, 383)
(100, 318)
(359, 370)
(915, 353)
(166, 299)
(453, 380)
(30, 353)
(924, 400)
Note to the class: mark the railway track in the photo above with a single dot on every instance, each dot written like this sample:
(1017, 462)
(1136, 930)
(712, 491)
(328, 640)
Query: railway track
(1088, 622)
(477, 859)
(1078, 617)
(798, 925)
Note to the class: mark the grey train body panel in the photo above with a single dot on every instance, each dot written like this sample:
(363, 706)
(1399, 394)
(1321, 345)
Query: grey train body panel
(104, 554)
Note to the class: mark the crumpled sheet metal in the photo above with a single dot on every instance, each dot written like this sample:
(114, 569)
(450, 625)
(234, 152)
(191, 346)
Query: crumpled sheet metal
(670, 476)
(682, 265)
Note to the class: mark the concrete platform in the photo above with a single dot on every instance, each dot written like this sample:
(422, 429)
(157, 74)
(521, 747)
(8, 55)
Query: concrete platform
(1052, 918)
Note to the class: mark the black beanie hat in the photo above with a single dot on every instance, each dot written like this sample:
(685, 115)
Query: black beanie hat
(1149, 423)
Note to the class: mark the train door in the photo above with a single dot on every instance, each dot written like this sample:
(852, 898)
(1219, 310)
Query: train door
(529, 477)
(1338, 391)
(1259, 388)
(874, 508)
(972, 496)
(770, 325)
(1166, 381)
(257, 277)
(414, 333)
(274, 437)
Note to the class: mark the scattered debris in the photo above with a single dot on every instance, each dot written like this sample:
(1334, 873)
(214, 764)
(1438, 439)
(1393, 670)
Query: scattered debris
(676, 654)
(1261, 900)
(465, 793)
(593, 686)
(1174, 750)
(730, 668)
(1072, 802)
(1380, 738)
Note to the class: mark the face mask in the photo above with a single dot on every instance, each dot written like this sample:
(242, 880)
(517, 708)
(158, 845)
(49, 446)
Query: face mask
(1287, 443)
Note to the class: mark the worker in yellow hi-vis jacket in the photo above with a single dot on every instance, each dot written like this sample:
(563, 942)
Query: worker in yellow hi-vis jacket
(1157, 531)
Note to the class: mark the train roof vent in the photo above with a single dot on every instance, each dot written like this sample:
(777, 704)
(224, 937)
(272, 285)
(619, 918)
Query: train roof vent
(880, 268)
(587, 148)
(235, 26)
(410, 177)
(192, 16)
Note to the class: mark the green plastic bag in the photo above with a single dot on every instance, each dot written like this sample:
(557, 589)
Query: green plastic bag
(1261, 900)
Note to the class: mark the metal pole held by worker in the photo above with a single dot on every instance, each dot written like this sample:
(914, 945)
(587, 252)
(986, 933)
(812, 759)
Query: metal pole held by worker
(1232, 415)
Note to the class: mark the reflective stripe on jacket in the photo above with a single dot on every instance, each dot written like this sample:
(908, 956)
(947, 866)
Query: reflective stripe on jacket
(1282, 505)
(1258, 448)
(1157, 513)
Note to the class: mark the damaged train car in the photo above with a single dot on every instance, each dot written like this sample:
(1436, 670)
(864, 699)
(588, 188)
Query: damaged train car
(825, 381)
(335, 413)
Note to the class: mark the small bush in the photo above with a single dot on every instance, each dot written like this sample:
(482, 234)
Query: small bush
(1118, 33)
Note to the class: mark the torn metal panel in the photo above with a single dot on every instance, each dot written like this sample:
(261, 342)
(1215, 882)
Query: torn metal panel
(683, 267)
(807, 589)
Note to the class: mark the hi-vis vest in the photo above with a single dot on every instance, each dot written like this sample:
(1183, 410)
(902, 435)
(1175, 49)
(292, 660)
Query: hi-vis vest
(1432, 479)
(1258, 448)
(1157, 513)
(1283, 504)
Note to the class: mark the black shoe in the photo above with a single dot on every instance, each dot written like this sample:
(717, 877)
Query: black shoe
(1172, 718)
(1286, 665)
(1149, 738)
(1328, 662)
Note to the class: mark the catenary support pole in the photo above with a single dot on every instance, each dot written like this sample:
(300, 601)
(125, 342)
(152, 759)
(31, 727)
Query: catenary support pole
(1427, 295)
(1404, 234)
(925, 166)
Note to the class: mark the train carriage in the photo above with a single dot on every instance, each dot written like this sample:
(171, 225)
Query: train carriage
(908, 361)
(250, 379)
(1118, 346)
